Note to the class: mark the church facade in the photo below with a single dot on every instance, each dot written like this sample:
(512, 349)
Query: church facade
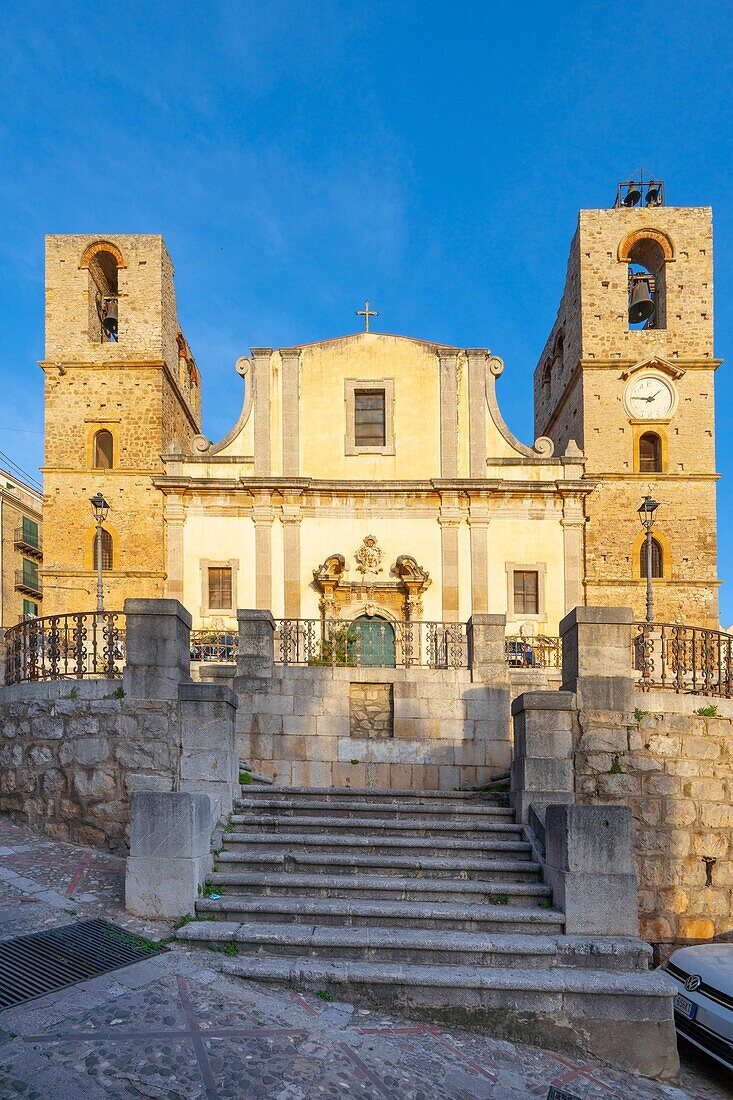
(372, 476)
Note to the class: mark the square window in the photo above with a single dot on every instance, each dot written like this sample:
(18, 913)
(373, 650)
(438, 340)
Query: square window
(220, 588)
(370, 429)
(526, 592)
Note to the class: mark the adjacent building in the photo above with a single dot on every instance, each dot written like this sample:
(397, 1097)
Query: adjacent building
(21, 550)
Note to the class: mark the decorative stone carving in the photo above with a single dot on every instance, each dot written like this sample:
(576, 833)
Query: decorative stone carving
(200, 444)
(544, 446)
(369, 556)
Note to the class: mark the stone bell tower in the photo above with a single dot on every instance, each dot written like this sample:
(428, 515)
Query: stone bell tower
(628, 372)
(121, 387)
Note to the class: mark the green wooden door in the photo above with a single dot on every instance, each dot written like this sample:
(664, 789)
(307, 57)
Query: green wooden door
(374, 643)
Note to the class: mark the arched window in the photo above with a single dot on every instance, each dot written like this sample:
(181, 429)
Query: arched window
(647, 284)
(103, 450)
(650, 453)
(547, 381)
(657, 559)
(106, 549)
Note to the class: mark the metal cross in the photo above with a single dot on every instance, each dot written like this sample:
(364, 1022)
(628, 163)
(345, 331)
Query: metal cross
(366, 313)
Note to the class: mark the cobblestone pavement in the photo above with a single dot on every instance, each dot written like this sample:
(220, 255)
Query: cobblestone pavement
(174, 1027)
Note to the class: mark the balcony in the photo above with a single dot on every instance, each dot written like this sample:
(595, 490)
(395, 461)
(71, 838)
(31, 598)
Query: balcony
(28, 543)
(28, 583)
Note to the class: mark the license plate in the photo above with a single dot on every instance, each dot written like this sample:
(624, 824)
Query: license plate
(687, 1008)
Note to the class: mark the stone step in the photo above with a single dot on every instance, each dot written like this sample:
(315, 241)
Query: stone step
(611, 1015)
(453, 847)
(272, 884)
(417, 945)
(378, 808)
(462, 917)
(478, 870)
(335, 794)
(418, 827)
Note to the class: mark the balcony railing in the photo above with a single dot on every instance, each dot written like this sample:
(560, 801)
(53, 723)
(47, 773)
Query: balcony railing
(685, 659)
(374, 643)
(28, 543)
(214, 645)
(29, 583)
(535, 652)
(86, 645)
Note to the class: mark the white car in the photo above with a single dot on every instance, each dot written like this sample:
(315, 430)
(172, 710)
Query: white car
(703, 1007)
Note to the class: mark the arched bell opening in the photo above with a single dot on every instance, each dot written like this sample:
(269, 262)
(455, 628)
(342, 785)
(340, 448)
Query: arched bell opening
(647, 307)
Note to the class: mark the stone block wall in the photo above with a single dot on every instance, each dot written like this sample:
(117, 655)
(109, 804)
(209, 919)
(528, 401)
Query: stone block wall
(69, 766)
(299, 727)
(371, 710)
(675, 771)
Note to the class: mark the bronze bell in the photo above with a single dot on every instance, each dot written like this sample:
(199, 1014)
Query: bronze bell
(109, 317)
(641, 303)
(632, 196)
(652, 193)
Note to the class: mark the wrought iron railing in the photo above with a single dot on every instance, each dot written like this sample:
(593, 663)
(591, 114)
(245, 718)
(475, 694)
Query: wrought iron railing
(86, 645)
(28, 582)
(372, 643)
(214, 645)
(688, 659)
(540, 651)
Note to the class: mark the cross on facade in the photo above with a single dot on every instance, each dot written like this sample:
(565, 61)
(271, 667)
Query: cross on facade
(366, 313)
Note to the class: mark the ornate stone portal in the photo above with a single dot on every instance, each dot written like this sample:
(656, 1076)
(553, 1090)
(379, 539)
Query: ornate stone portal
(398, 599)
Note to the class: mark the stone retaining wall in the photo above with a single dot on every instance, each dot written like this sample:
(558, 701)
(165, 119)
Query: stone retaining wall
(68, 766)
(676, 773)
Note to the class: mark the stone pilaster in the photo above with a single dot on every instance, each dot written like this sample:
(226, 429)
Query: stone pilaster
(573, 529)
(477, 408)
(448, 361)
(291, 518)
(478, 520)
(262, 414)
(262, 517)
(290, 412)
(174, 514)
(449, 519)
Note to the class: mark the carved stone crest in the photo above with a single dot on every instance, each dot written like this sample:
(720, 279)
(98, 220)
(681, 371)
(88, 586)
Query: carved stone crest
(369, 556)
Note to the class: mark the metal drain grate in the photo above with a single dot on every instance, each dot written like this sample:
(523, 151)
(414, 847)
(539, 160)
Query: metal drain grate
(32, 966)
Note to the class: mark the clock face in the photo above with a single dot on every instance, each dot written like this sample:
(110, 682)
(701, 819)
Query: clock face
(649, 398)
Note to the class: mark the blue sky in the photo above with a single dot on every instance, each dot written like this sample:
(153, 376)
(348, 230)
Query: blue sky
(299, 157)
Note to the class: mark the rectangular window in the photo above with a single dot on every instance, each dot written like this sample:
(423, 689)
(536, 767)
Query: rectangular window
(526, 592)
(30, 532)
(369, 418)
(30, 573)
(30, 609)
(220, 588)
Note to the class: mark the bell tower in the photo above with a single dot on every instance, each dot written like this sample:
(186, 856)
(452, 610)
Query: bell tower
(121, 388)
(628, 372)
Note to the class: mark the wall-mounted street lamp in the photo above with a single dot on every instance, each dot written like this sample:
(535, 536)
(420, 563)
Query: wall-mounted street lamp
(647, 512)
(100, 507)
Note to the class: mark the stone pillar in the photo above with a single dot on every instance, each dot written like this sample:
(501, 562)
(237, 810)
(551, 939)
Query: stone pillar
(486, 655)
(597, 658)
(291, 517)
(477, 366)
(158, 648)
(290, 411)
(542, 768)
(174, 517)
(448, 367)
(256, 643)
(209, 762)
(170, 852)
(262, 425)
(262, 517)
(590, 869)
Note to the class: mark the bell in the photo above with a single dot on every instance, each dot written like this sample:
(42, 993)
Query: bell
(632, 196)
(641, 303)
(652, 194)
(109, 318)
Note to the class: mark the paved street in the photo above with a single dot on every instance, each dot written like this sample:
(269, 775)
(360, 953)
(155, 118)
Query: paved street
(173, 1026)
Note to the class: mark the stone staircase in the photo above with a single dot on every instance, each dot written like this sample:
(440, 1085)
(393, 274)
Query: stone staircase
(428, 903)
